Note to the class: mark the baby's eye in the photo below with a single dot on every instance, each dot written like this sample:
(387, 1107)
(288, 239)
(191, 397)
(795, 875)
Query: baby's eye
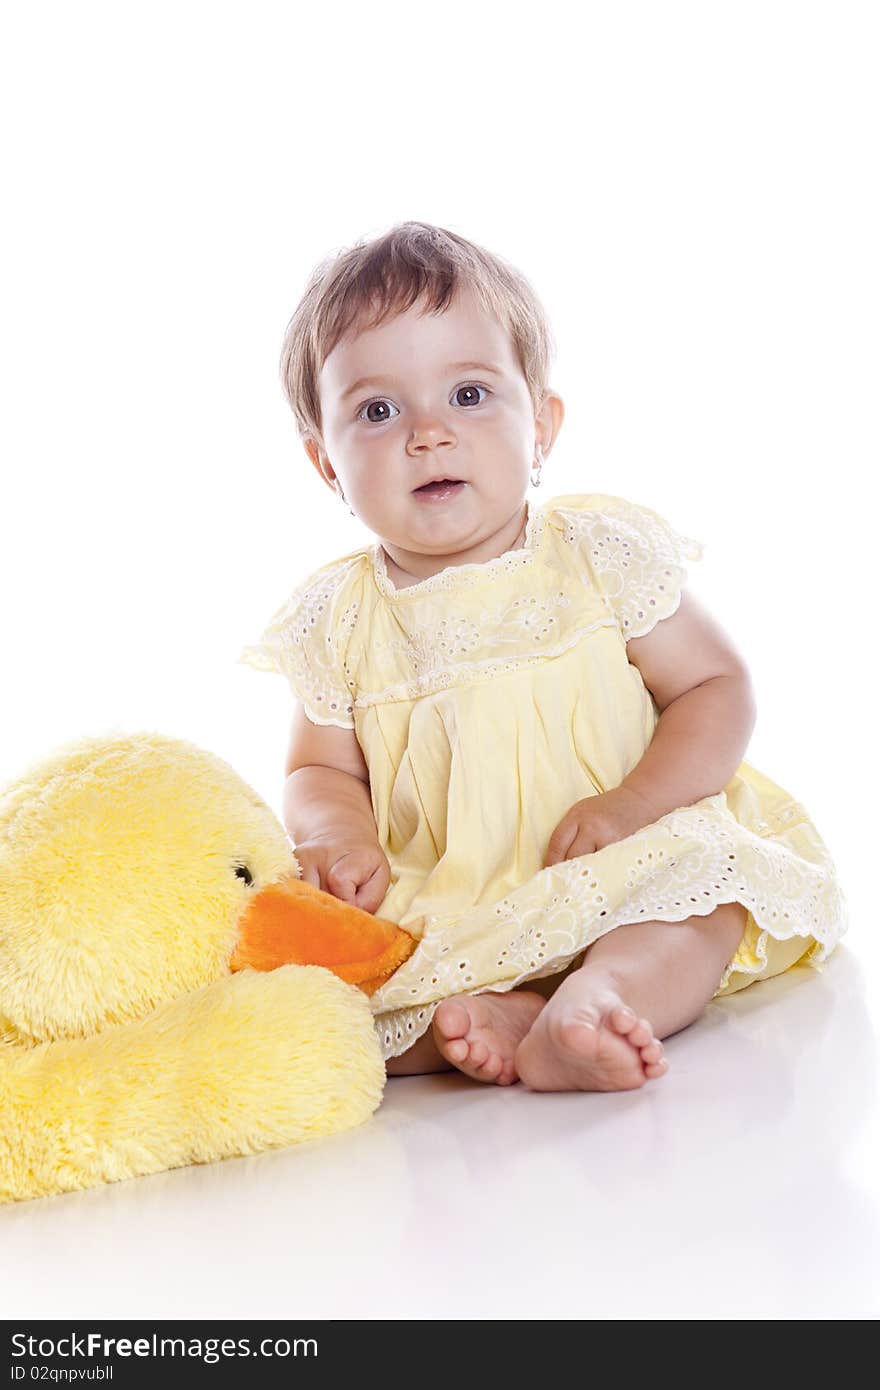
(386, 405)
(472, 387)
(378, 420)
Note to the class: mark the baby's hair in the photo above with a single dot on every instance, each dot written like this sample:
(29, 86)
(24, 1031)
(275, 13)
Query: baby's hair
(374, 280)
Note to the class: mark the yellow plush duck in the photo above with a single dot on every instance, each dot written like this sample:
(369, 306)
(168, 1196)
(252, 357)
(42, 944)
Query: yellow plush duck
(171, 991)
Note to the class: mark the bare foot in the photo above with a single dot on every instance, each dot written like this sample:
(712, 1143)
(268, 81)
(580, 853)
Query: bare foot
(479, 1033)
(588, 1039)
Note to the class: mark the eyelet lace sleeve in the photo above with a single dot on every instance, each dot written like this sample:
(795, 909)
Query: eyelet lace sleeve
(306, 641)
(635, 558)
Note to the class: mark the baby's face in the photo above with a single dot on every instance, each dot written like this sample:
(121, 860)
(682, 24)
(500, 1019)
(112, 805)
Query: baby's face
(427, 411)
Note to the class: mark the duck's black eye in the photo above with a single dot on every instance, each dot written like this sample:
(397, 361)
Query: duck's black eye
(242, 871)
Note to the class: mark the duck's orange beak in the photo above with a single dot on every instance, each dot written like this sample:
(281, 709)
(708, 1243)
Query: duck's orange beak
(294, 923)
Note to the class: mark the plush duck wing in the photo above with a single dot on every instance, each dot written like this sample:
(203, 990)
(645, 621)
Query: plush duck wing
(250, 1062)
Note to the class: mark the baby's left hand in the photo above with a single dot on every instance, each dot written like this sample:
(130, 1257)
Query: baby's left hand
(598, 821)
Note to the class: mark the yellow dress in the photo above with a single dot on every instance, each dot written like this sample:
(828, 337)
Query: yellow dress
(488, 699)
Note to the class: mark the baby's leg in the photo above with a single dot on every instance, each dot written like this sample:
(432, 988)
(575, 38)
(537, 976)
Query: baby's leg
(600, 1031)
(422, 1057)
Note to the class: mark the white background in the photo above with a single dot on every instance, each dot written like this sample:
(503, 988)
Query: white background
(692, 190)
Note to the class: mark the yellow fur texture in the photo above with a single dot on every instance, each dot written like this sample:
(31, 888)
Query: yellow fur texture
(126, 1046)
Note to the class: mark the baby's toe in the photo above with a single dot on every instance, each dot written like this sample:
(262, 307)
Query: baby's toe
(456, 1049)
(642, 1035)
(452, 1019)
(652, 1052)
(479, 1053)
(622, 1019)
(491, 1068)
(655, 1069)
(638, 1031)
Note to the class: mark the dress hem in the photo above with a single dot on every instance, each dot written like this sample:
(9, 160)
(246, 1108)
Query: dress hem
(417, 1020)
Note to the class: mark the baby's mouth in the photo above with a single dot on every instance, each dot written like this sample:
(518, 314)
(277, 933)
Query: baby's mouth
(441, 487)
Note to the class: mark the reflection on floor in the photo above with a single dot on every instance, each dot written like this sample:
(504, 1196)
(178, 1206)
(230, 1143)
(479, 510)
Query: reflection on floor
(744, 1183)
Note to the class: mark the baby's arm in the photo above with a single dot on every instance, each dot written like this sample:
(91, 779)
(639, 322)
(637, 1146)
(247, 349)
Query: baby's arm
(707, 712)
(328, 813)
(703, 689)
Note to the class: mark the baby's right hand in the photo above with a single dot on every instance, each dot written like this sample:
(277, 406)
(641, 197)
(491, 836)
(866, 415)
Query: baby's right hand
(355, 871)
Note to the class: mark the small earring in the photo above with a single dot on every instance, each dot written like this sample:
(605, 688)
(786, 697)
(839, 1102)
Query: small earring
(536, 481)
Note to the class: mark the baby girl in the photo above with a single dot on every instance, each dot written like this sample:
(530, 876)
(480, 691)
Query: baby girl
(516, 733)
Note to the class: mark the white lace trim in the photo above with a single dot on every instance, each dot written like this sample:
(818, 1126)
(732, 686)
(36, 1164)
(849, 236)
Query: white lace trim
(628, 568)
(422, 651)
(636, 557)
(306, 640)
(790, 889)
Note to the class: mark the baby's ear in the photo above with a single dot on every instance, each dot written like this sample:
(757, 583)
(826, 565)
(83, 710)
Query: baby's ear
(318, 458)
(550, 417)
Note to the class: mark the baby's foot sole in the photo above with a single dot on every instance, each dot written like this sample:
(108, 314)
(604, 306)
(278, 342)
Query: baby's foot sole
(479, 1033)
(587, 1039)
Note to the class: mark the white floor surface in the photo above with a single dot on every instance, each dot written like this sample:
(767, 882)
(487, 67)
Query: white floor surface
(744, 1183)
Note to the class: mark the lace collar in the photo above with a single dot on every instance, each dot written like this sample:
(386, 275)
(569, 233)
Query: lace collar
(467, 574)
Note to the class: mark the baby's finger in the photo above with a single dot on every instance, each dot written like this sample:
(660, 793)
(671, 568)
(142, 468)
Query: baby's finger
(371, 893)
(583, 843)
(562, 837)
(310, 874)
(341, 885)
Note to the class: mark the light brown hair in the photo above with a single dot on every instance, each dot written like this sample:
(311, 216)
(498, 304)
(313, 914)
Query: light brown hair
(372, 281)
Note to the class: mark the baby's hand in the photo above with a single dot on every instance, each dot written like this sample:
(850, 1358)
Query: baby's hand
(598, 821)
(356, 871)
